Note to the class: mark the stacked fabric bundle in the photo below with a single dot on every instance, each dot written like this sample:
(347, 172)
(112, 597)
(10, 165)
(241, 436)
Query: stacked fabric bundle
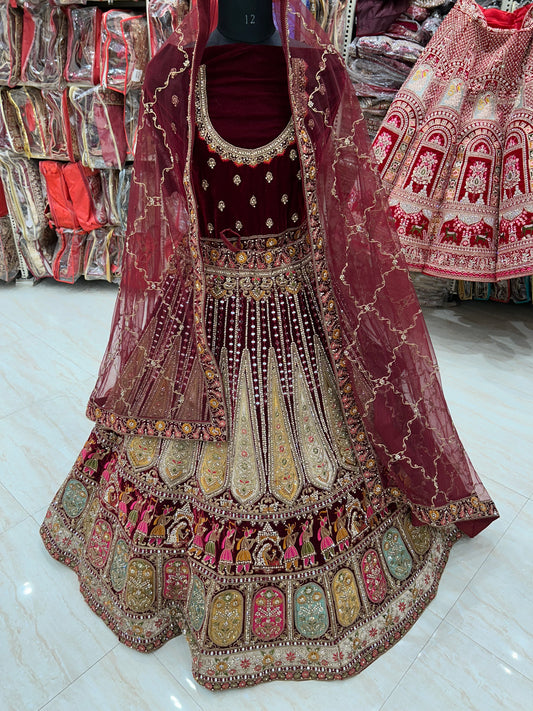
(380, 63)
(70, 81)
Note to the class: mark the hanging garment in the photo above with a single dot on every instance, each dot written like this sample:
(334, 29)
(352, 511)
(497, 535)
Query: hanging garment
(453, 149)
(273, 468)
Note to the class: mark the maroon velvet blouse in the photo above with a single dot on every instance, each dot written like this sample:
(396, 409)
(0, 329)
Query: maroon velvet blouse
(246, 170)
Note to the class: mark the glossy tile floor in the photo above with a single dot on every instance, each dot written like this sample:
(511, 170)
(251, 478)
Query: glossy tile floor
(472, 648)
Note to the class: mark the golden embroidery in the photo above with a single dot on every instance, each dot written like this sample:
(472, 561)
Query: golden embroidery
(284, 479)
(205, 184)
(213, 465)
(227, 618)
(177, 462)
(270, 223)
(319, 464)
(211, 163)
(246, 480)
(141, 451)
(285, 198)
(333, 408)
(140, 585)
(237, 179)
(221, 205)
(227, 151)
(253, 201)
(269, 177)
(346, 597)
(238, 225)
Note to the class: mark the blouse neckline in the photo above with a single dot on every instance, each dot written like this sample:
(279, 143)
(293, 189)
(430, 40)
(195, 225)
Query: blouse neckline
(226, 150)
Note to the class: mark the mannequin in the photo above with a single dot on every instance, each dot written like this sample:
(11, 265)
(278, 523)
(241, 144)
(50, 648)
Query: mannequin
(247, 21)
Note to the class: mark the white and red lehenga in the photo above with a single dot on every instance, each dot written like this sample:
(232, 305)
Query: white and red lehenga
(273, 469)
(454, 149)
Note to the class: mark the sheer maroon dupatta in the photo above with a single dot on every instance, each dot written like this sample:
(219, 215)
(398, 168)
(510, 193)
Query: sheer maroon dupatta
(158, 376)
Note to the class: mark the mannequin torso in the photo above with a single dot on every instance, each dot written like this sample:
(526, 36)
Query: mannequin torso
(247, 21)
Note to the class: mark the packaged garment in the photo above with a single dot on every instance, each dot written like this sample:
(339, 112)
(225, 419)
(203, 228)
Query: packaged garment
(32, 118)
(82, 64)
(68, 258)
(453, 150)
(115, 188)
(103, 255)
(132, 103)
(61, 140)
(26, 203)
(10, 128)
(384, 46)
(60, 207)
(273, 468)
(10, 43)
(124, 50)
(164, 16)
(75, 195)
(9, 263)
(44, 42)
(85, 189)
(98, 119)
(521, 290)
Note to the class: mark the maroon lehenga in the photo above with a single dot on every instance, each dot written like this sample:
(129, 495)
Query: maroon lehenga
(273, 535)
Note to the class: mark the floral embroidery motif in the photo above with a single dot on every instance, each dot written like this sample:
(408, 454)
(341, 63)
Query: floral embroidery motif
(373, 577)
(346, 597)
(119, 565)
(419, 536)
(140, 585)
(268, 620)
(196, 607)
(74, 498)
(226, 618)
(175, 579)
(100, 543)
(237, 179)
(310, 611)
(396, 555)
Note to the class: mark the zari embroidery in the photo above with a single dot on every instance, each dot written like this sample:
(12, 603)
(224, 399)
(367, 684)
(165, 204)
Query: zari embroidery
(319, 463)
(239, 156)
(246, 478)
(284, 478)
(178, 459)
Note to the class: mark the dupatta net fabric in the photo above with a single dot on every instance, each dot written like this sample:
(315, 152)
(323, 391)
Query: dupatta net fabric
(385, 366)
(352, 549)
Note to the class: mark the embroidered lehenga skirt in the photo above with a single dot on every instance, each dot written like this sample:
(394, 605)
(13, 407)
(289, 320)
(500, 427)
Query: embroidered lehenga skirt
(454, 149)
(264, 548)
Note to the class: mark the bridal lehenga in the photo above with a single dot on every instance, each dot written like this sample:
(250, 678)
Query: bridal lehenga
(273, 470)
